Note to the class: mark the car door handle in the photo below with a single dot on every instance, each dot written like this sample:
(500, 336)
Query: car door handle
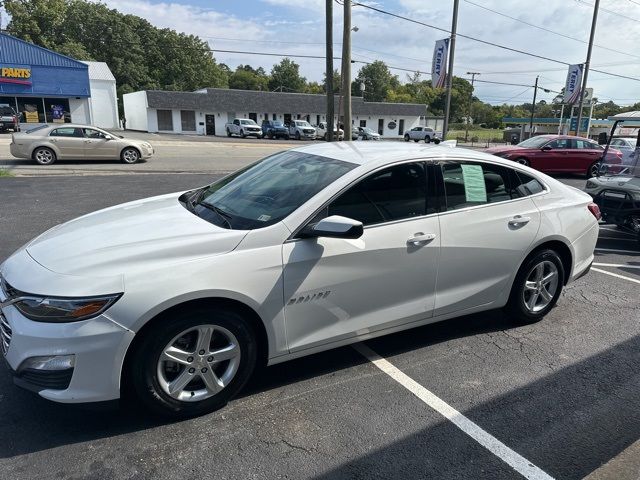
(421, 238)
(519, 221)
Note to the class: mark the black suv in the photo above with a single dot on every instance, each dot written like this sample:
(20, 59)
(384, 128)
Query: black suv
(8, 118)
(274, 129)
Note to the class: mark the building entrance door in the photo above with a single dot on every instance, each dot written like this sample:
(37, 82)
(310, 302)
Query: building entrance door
(401, 126)
(210, 124)
(381, 126)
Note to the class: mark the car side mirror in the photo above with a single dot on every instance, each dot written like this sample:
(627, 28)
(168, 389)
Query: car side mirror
(546, 148)
(334, 226)
(108, 137)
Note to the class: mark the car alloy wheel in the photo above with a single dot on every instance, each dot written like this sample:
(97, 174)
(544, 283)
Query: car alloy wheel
(130, 155)
(594, 169)
(44, 156)
(198, 363)
(541, 286)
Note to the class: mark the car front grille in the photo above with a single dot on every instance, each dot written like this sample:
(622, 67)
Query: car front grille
(5, 334)
(308, 130)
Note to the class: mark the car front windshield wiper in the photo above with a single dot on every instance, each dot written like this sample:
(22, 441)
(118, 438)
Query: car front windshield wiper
(221, 213)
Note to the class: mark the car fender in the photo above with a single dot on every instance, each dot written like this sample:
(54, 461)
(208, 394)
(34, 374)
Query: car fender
(49, 145)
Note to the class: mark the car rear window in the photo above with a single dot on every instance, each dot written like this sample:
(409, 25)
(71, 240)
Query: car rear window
(6, 111)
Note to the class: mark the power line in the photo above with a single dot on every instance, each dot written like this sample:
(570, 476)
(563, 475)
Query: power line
(542, 57)
(547, 30)
(611, 12)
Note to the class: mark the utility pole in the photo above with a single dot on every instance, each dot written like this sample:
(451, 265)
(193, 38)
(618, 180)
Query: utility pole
(466, 130)
(329, 69)
(596, 6)
(533, 107)
(346, 68)
(452, 51)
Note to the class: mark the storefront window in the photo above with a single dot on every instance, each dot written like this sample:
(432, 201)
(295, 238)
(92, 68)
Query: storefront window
(31, 110)
(188, 120)
(165, 120)
(57, 110)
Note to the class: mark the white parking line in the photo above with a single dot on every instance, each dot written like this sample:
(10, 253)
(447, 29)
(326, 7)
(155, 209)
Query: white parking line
(622, 232)
(629, 279)
(617, 251)
(488, 441)
(615, 265)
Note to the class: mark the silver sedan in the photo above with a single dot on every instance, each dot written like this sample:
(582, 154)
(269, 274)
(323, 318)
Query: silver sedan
(48, 143)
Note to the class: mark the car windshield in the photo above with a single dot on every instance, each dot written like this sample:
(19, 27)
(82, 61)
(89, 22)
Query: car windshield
(277, 124)
(534, 142)
(303, 124)
(6, 110)
(266, 192)
(368, 130)
(248, 122)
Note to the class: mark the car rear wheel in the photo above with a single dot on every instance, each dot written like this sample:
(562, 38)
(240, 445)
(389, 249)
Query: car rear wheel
(523, 161)
(130, 155)
(536, 288)
(406, 138)
(44, 156)
(193, 363)
(593, 170)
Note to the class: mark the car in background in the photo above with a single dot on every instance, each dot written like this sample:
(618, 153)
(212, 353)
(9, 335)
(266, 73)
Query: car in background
(322, 132)
(47, 143)
(274, 129)
(9, 119)
(366, 133)
(243, 127)
(179, 298)
(301, 129)
(558, 154)
(416, 134)
(627, 146)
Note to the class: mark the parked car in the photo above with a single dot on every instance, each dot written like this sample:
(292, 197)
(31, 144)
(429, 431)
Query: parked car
(416, 134)
(367, 134)
(243, 127)
(274, 129)
(627, 147)
(558, 154)
(322, 132)
(300, 129)
(178, 298)
(47, 143)
(9, 119)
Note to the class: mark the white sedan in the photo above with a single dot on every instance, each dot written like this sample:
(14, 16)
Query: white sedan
(179, 297)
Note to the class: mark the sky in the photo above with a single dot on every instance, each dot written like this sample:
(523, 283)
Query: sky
(298, 27)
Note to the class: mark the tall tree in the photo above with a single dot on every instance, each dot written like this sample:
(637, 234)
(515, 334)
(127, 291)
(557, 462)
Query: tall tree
(337, 82)
(247, 78)
(378, 82)
(285, 76)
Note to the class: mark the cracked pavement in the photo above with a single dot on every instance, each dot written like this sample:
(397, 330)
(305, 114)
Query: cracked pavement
(563, 393)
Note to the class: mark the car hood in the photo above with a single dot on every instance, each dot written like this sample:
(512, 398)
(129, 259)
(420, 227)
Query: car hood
(622, 182)
(150, 232)
(504, 148)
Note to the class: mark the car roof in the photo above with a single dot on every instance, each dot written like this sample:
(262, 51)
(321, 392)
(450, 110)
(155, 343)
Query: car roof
(374, 154)
(560, 137)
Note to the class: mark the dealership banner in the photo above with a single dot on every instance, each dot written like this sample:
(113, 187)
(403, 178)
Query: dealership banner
(439, 63)
(572, 86)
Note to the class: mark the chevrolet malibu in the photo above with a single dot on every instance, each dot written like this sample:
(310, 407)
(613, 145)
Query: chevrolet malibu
(178, 298)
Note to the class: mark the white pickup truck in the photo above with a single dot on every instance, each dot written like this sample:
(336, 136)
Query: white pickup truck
(301, 129)
(244, 127)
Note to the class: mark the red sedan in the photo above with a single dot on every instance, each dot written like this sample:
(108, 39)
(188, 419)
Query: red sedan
(558, 154)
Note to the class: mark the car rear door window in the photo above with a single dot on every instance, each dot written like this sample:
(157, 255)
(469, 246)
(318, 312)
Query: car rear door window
(394, 193)
(469, 184)
(524, 185)
(66, 132)
(560, 143)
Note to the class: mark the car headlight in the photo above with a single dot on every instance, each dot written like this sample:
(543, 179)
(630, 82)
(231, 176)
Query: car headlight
(59, 310)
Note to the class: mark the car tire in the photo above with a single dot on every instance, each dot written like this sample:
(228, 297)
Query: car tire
(427, 139)
(228, 132)
(536, 288)
(130, 156)
(416, 140)
(297, 136)
(242, 134)
(406, 138)
(44, 156)
(523, 161)
(593, 170)
(150, 374)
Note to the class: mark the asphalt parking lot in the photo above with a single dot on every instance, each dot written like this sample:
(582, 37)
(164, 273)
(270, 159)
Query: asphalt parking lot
(558, 399)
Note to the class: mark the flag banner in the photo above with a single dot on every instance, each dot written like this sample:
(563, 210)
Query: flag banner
(572, 87)
(439, 63)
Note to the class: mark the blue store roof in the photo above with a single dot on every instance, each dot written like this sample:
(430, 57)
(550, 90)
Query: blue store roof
(29, 70)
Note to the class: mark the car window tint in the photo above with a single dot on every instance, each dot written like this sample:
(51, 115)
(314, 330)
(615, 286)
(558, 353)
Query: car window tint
(392, 194)
(66, 132)
(559, 143)
(584, 145)
(524, 185)
(468, 184)
(91, 133)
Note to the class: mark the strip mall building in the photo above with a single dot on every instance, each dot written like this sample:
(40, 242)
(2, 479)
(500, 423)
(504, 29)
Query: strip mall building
(46, 87)
(206, 111)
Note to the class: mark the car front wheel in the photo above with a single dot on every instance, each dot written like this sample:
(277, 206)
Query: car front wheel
(593, 170)
(44, 156)
(536, 288)
(427, 139)
(193, 363)
(130, 155)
